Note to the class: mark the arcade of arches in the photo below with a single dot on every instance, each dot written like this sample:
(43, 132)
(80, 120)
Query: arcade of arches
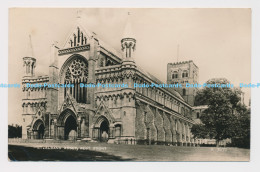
(156, 114)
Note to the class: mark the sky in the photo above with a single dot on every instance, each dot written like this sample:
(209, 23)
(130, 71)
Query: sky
(217, 40)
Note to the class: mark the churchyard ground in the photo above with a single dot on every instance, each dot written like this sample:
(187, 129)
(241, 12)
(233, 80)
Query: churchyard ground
(78, 151)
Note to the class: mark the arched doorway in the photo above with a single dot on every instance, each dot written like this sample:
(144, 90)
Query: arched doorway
(101, 129)
(70, 128)
(41, 132)
(38, 129)
(67, 125)
(104, 131)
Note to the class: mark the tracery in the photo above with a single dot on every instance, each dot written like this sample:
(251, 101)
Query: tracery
(76, 73)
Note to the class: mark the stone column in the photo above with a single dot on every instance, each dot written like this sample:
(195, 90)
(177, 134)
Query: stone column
(180, 140)
(55, 129)
(79, 128)
(60, 132)
(111, 132)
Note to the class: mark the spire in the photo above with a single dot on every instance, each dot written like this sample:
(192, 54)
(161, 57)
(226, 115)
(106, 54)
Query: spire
(128, 32)
(30, 48)
(128, 42)
(29, 62)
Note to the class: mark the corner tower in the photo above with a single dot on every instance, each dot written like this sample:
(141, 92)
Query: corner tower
(128, 41)
(29, 62)
(183, 73)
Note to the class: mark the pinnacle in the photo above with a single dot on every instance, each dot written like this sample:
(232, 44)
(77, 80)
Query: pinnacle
(29, 52)
(128, 32)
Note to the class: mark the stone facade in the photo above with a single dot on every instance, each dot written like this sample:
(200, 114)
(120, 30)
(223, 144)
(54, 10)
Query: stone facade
(130, 115)
(182, 73)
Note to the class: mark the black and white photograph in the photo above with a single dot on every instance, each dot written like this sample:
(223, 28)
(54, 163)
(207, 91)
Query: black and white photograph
(129, 84)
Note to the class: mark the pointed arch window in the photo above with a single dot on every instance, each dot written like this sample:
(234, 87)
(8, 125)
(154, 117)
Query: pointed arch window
(184, 92)
(198, 115)
(75, 74)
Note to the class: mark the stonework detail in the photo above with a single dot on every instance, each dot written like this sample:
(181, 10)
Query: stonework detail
(114, 111)
(160, 128)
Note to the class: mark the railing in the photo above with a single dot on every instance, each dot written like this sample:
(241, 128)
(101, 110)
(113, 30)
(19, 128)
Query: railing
(42, 139)
(125, 140)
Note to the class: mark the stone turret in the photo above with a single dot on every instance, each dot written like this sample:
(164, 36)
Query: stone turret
(128, 42)
(29, 62)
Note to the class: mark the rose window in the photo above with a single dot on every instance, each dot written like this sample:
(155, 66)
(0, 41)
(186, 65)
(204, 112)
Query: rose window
(77, 69)
(76, 73)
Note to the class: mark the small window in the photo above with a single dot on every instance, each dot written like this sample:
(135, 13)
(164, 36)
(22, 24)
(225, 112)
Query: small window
(185, 74)
(175, 75)
(184, 92)
(102, 62)
(198, 115)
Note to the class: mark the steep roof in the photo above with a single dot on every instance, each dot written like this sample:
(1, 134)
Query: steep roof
(157, 81)
(127, 34)
(90, 34)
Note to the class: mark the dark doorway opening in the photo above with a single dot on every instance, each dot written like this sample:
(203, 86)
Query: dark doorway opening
(40, 132)
(70, 128)
(104, 131)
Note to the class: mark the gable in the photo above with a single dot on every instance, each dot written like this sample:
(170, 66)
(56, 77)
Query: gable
(77, 37)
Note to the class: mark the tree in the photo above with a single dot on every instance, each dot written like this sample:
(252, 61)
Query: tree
(200, 131)
(241, 137)
(222, 115)
(14, 131)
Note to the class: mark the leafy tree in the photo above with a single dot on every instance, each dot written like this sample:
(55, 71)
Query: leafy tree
(200, 131)
(221, 118)
(14, 131)
(241, 137)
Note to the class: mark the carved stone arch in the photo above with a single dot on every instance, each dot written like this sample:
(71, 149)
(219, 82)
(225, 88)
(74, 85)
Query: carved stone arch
(67, 63)
(104, 111)
(100, 119)
(106, 97)
(37, 123)
(113, 96)
(37, 129)
(64, 115)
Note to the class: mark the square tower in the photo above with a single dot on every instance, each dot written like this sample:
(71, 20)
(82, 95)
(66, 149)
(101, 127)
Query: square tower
(182, 73)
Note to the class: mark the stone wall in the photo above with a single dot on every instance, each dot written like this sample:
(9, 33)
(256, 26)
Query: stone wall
(154, 126)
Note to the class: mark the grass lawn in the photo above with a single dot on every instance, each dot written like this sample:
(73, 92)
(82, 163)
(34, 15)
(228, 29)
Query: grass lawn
(111, 152)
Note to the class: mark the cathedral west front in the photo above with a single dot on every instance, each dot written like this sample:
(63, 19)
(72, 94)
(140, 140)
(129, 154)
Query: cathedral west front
(121, 114)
